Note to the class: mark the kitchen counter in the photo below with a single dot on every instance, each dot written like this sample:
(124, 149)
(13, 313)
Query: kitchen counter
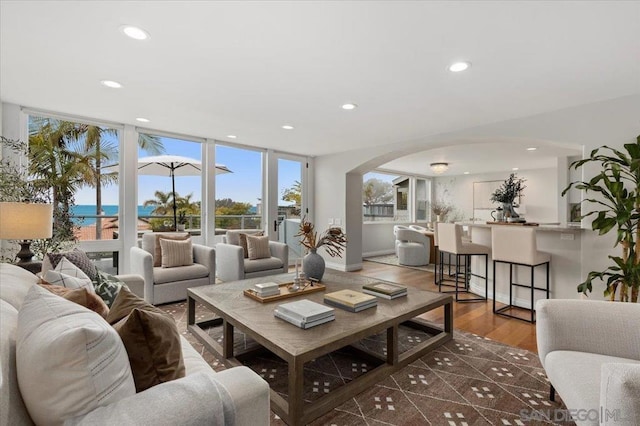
(541, 227)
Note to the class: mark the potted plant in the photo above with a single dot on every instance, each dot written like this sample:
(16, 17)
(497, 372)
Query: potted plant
(333, 240)
(616, 207)
(182, 220)
(440, 209)
(506, 194)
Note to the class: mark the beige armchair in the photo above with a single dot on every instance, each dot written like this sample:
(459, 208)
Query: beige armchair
(590, 351)
(232, 265)
(164, 285)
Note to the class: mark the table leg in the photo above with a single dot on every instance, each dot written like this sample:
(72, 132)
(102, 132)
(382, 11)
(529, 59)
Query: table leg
(227, 342)
(296, 380)
(191, 311)
(392, 345)
(448, 317)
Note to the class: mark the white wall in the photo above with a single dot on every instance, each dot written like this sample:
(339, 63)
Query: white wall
(540, 196)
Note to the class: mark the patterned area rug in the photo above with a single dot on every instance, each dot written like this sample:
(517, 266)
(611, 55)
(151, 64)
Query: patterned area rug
(392, 259)
(471, 380)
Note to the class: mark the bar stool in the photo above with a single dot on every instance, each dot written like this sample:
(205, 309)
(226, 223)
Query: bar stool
(517, 246)
(437, 279)
(450, 242)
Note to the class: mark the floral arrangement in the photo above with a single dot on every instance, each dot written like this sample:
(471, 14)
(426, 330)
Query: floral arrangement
(333, 239)
(440, 208)
(509, 190)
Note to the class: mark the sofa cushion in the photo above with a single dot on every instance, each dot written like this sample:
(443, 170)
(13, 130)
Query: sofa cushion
(151, 244)
(576, 376)
(181, 273)
(81, 296)
(69, 359)
(12, 409)
(233, 236)
(151, 338)
(262, 264)
(243, 241)
(66, 274)
(258, 247)
(176, 253)
(15, 284)
(107, 287)
(77, 257)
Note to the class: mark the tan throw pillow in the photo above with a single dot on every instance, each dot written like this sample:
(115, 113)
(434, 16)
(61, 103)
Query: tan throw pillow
(176, 253)
(157, 256)
(82, 297)
(151, 338)
(243, 242)
(258, 247)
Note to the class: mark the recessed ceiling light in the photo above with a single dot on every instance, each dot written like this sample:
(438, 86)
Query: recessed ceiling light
(514, 169)
(143, 120)
(111, 84)
(459, 66)
(134, 32)
(349, 106)
(287, 127)
(533, 148)
(231, 136)
(466, 173)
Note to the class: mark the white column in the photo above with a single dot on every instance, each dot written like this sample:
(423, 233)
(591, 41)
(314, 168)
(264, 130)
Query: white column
(128, 205)
(270, 194)
(209, 193)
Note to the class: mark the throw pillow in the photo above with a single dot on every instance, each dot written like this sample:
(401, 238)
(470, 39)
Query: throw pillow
(82, 297)
(243, 242)
(258, 247)
(151, 338)
(176, 253)
(78, 258)
(157, 256)
(107, 287)
(69, 360)
(66, 274)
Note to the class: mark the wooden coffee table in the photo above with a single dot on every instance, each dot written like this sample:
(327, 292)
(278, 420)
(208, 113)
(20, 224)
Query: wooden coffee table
(297, 346)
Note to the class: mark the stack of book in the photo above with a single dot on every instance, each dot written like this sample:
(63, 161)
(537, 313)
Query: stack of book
(305, 313)
(266, 289)
(385, 290)
(349, 300)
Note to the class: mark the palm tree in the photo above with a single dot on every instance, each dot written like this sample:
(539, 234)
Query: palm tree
(163, 203)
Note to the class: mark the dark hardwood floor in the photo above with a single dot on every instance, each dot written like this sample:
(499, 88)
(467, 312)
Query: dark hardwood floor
(476, 317)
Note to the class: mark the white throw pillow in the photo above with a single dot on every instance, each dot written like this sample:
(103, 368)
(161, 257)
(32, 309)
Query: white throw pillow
(69, 359)
(68, 275)
(176, 253)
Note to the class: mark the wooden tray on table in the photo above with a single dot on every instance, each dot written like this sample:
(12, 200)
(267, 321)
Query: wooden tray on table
(285, 293)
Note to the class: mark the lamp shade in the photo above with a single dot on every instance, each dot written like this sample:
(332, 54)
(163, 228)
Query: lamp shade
(25, 221)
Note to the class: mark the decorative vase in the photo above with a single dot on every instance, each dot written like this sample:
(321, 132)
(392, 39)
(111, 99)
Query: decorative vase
(181, 227)
(313, 265)
(509, 211)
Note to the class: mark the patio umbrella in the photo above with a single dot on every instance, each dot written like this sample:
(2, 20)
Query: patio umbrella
(172, 166)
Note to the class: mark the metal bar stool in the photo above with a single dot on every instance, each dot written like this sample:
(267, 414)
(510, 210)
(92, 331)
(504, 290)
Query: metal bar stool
(516, 246)
(450, 242)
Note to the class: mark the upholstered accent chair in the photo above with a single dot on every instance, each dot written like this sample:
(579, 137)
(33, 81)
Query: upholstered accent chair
(412, 247)
(232, 264)
(164, 285)
(590, 351)
(397, 228)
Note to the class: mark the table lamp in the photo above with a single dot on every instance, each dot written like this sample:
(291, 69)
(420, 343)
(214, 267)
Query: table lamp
(26, 222)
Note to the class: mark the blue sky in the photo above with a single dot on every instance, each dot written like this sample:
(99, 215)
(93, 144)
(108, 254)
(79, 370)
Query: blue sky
(243, 185)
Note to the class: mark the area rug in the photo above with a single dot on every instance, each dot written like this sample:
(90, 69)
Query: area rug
(470, 380)
(392, 259)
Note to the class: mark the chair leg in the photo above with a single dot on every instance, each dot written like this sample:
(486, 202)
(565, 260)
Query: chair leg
(494, 286)
(532, 291)
(552, 393)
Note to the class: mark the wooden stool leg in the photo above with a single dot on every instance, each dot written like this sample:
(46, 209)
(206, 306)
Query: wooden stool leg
(552, 393)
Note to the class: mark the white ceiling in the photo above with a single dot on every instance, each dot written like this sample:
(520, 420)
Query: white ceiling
(211, 69)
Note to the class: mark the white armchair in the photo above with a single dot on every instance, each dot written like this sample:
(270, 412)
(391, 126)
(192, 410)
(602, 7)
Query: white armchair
(412, 247)
(590, 351)
(233, 266)
(164, 285)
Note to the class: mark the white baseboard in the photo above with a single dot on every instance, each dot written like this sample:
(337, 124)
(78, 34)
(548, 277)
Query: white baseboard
(345, 268)
(378, 253)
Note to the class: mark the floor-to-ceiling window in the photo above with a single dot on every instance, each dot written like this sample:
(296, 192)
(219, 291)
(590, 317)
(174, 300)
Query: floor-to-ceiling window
(239, 192)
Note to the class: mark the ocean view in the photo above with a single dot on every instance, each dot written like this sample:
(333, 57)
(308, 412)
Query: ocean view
(109, 210)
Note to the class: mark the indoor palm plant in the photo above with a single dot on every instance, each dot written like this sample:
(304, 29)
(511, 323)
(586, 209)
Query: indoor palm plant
(616, 206)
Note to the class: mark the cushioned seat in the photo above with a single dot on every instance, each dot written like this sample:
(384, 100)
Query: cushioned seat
(233, 264)
(257, 265)
(412, 247)
(190, 272)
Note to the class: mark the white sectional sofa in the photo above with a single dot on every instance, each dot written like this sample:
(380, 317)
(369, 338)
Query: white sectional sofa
(590, 351)
(188, 399)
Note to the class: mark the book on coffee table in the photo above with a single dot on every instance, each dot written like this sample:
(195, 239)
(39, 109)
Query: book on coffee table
(371, 304)
(385, 290)
(305, 310)
(351, 300)
(302, 323)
